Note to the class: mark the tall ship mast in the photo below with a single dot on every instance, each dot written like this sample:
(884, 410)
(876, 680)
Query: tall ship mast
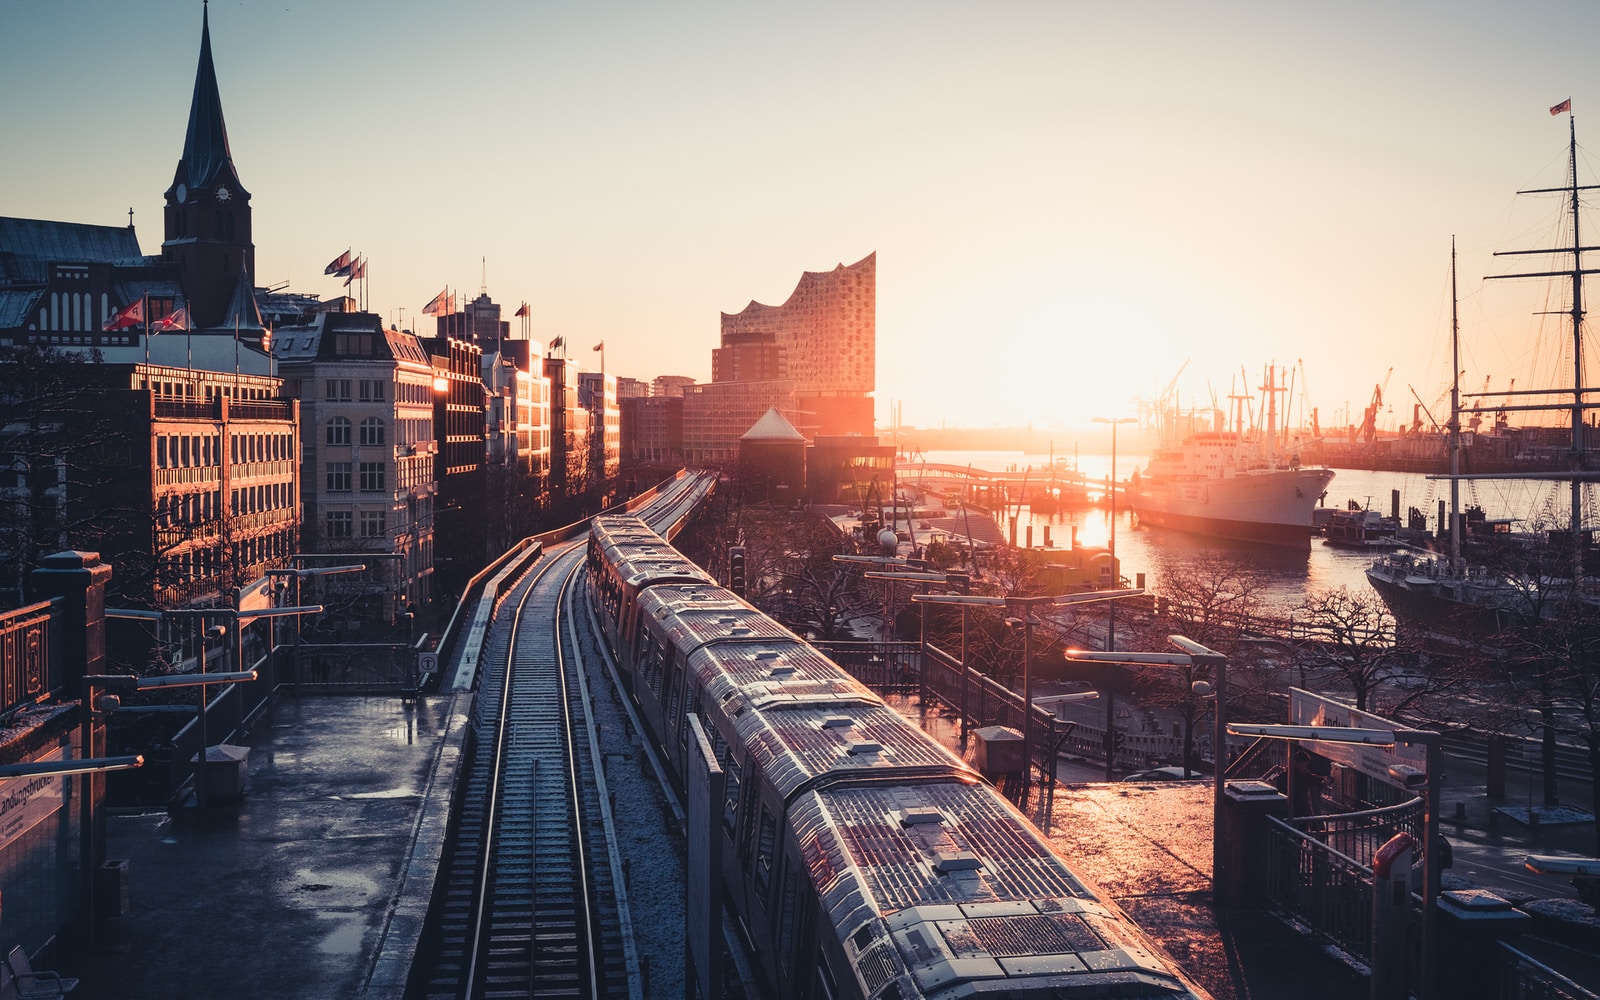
(1453, 590)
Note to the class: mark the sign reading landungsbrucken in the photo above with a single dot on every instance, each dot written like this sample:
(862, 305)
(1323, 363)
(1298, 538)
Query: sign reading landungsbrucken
(27, 802)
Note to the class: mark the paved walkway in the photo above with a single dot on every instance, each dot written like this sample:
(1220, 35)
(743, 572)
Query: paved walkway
(313, 885)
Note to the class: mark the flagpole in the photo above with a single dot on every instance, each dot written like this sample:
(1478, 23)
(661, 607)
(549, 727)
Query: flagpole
(145, 311)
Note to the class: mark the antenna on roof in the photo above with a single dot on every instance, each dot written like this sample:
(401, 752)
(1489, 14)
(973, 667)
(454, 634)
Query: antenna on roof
(130, 218)
(483, 289)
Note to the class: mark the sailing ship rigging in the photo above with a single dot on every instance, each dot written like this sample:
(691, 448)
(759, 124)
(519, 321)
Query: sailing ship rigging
(1482, 597)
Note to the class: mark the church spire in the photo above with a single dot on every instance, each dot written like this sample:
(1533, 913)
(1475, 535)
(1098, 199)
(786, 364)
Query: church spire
(205, 148)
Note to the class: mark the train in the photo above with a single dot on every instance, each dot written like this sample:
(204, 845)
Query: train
(861, 858)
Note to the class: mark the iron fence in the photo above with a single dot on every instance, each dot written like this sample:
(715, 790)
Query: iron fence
(27, 670)
(1525, 978)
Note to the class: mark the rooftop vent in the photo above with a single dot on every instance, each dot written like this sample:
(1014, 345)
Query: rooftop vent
(838, 722)
(957, 861)
(917, 817)
(858, 747)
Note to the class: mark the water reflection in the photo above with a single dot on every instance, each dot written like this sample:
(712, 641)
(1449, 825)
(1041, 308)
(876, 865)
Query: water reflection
(1288, 575)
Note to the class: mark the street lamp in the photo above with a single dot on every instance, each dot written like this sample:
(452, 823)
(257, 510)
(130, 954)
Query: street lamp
(1020, 612)
(1194, 655)
(1111, 612)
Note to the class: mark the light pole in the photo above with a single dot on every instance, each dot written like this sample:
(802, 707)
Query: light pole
(1020, 611)
(1193, 655)
(1111, 610)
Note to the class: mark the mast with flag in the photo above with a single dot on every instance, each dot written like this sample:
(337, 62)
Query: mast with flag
(601, 347)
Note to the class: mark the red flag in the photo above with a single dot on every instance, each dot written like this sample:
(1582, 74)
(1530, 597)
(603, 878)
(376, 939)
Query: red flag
(339, 264)
(1565, 105)
(600, 346)
(439, 305)
(357, 270)
(131, 314)
(176, 320)
(523, 311)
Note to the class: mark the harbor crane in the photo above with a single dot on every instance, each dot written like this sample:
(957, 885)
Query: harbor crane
(1368, 431)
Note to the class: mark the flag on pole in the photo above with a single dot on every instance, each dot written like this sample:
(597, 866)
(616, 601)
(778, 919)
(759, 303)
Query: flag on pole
(131, 314)
(178, 319)
(439, 305)
(558, 342)
(339, 264)
(522, 311)
(600, 346)
(1565, 105)
(358, 270)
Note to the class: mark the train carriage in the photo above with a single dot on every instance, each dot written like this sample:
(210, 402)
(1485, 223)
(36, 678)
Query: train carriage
(942, 889)
(863, 858)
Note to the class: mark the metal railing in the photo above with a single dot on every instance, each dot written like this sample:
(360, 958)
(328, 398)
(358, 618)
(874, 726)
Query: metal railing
(1324, 889)
(1525, 978)
(28, 670)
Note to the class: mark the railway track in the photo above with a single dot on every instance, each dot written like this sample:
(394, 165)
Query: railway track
(531, 897)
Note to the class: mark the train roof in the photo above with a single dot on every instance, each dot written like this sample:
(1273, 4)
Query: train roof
(843, 733)
(690, 624)
(946, 883)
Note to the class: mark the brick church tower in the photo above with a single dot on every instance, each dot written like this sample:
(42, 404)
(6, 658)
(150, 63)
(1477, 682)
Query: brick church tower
(208, 210)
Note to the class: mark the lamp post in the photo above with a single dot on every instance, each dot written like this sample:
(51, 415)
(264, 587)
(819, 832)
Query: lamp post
(299, 573)
(1111, 610)
(1020, 612)
(1194, 654)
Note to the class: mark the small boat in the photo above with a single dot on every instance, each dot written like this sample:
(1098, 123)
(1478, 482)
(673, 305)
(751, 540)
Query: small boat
(1360, 529)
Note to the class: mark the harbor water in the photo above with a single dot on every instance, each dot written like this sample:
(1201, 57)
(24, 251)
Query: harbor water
(1287, 575)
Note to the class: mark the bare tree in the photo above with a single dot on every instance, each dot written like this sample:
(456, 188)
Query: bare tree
(1208, 599)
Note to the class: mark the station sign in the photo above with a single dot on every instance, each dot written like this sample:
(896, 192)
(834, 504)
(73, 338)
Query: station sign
(1308, 709)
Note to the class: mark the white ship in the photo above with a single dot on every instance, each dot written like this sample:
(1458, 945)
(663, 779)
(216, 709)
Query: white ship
(1229, 485)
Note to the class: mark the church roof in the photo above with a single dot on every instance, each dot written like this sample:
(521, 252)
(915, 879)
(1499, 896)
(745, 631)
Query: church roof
(27, 246)
(242, 313)
(772, 427)
(205, 147)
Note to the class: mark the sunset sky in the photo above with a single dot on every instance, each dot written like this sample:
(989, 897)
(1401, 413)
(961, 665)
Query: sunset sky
(1068, 200)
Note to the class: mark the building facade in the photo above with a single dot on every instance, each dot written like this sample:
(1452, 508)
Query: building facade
(367, 481)
(716, 415)
(597, 394)
(824, 337)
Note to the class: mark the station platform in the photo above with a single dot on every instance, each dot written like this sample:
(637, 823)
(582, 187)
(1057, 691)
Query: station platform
(315, 882)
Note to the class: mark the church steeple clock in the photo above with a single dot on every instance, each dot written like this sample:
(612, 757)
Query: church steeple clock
(208, 210)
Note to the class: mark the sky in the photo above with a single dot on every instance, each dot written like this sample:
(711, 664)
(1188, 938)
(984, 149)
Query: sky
(1075, 206)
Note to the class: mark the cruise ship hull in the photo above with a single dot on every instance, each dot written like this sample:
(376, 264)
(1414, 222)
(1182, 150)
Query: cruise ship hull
(1271, 507)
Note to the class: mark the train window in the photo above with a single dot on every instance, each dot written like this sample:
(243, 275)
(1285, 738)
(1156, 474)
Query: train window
(732, 774)
(786, 925)
(672, 689)
(766, 843)
(752, 792)
(826, 987)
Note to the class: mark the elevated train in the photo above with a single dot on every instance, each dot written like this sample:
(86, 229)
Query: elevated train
(862, 857)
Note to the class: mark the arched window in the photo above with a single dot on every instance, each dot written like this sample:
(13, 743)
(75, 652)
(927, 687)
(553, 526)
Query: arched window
(339, 430)
(372, 430)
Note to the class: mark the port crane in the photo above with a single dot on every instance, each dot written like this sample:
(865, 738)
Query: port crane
(1368, 431)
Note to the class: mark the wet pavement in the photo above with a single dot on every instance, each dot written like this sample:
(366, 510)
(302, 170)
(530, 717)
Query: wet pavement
(314, 883)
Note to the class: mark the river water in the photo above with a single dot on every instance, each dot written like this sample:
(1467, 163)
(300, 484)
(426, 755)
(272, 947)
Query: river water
(1288, 575)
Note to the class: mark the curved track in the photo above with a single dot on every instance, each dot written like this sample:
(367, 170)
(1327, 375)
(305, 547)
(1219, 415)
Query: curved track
(530, 898)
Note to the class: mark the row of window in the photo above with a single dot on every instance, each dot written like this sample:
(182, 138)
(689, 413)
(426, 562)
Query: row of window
(371, 389)
(373, 476)
(340, 523)
(191, 451)
(372, 431)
